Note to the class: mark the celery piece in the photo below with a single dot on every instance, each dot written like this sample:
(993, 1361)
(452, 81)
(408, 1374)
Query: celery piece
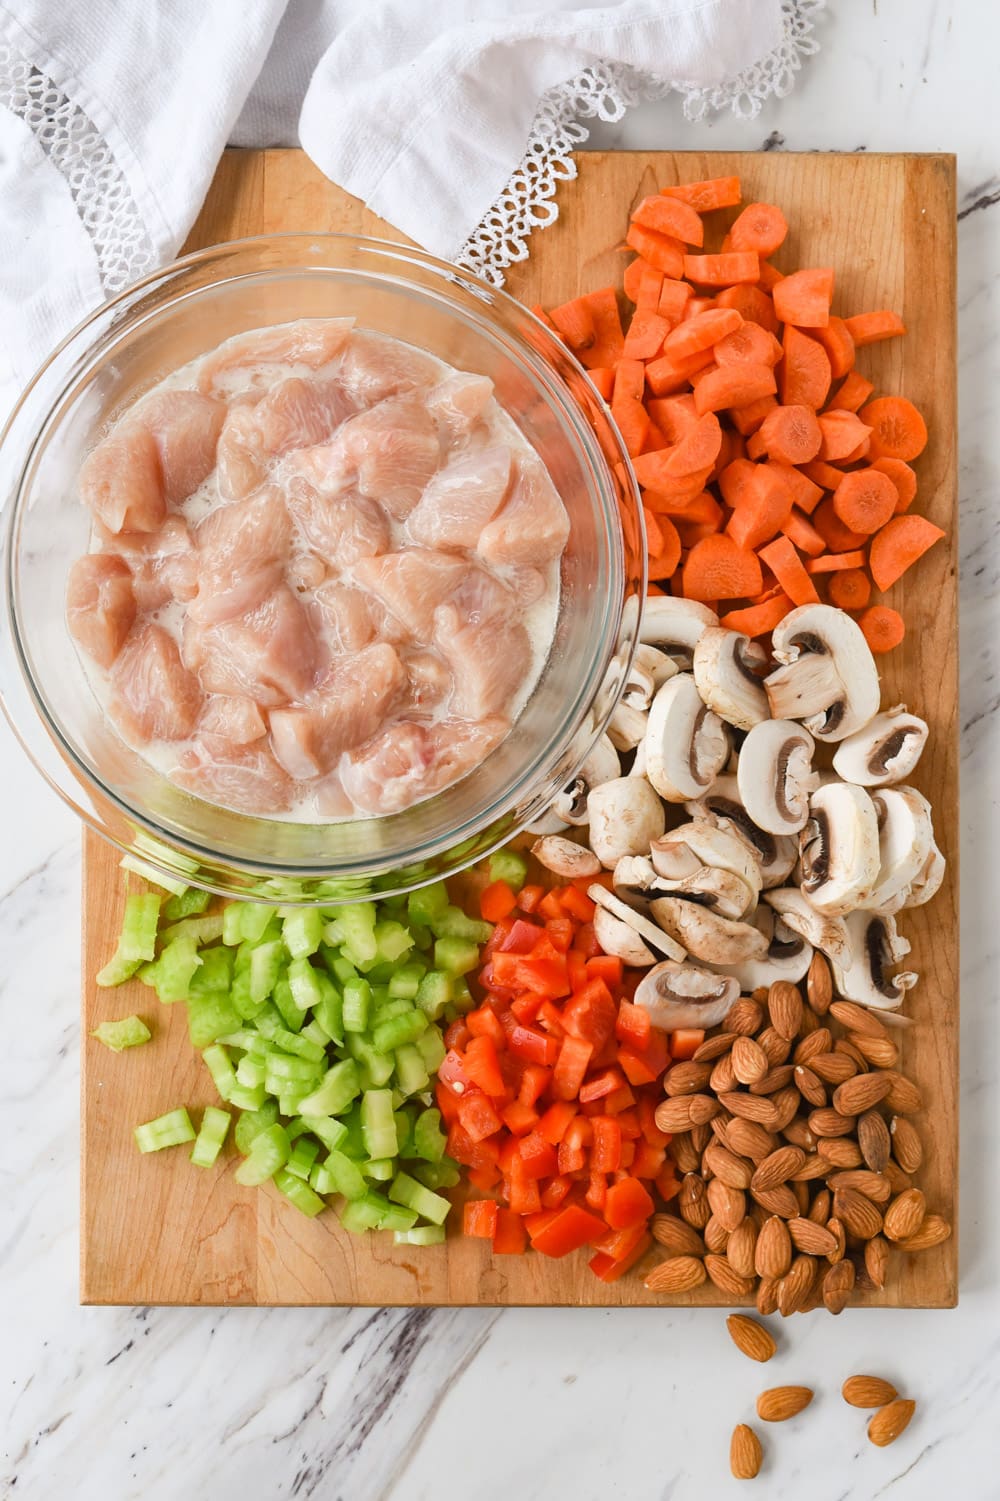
(130, 1032)
(251, 1071)
(456, 956)
(292, 1015)
(421, 1235)
(210, 1016)
(117, 970)
(392, 941)
(510, 866)
(353, 1144)
(357, 999)
(302, 931)
(174, 970)
(269, 1151)
(430, 1206)
(249, 1042)
(266, 960)
(215, 973)
(363, 1214)
(389, 1035)
(322, 1181)
(330, 1132)
(423, 938)
(254, 920)
(385, 1008)
(151, 874)
(429, 1140)
(301, 1047)
(380, 1169)
(443, 1174)
(347, 1176)
(377, 1123)
(377, 1066)
(329, 1009)
(435, 992)
(405, 982)
(427, 904)
(168, 1130)
(339, 1086)
(138, 935)
(304, 983)
(239, 992)
(453, 923)
(430, 1046)
(462, 998)
(296, 1128)
(211, 1136)
(252, 1122)
(246, 1099)
(404, 1130)
(285, 1066)
(201, 930)
(397, 1218)
(232, 924)
(268, 1020)
(411, 1074)
(313, 1032)
(186, 903)
(341, 969)
(218, 1063)
(298, 1193)
(290, 1095)
(353, 929)
(304, 1154)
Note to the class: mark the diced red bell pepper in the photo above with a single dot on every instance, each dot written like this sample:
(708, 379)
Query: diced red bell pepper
(538, 1219)
(479, 1218)
(529, 897)
(525, 1007)
(618, 1243)
(528, 972)
(597, 1192)
(481, 1062)
(478, 1115)
(533, 1046)
(555, 1191)
(571, 1158)
(550, 906)
(645, 1067)
(497, 901)
(576, 968)
(524, 1194)
(667, 1183)
(599, 1085)
(538, 1156)
(605, 967)
(551, 1018)
(586, 942)
(685, 1042)
(633, 1025)
(561, 931)
(606, 1153)
(447, 1102)
(534, 1081)
(645, 1108)
(622, 1099)
(452, 1073)
(520, 937)
(483, 1022)
(519, 1118)
(457, 1035)
(609, 1270)
(571, 1067)
(468, 1152)
(556, 1121)
(510, 1237)
(507, 1153)
(577, 903)
(572, 1228)
(484, 1178)
(590, 1014)
(496, 939)
(648, 1160)
(628, 1155)
(628, 1203)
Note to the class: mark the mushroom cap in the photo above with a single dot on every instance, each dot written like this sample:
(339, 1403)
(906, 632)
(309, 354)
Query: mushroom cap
(905, 838)
(684, 856)
(723, 806)
(653, 936)
(726, 665)
(828, 934)
(686, 745)
(627, 725)
(704, 934)
(788, 955)
(928, 883)
(675, 625)
(838, 849)
(883, 751)
(620, 939)
(828, 679)
(775, 776)
(658, 664)
(874, 945)
(602, 765)
(564, 857)
(625, 816)
(685, 995)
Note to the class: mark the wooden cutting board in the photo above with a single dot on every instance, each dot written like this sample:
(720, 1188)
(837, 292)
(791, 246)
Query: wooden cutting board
(156, 1230)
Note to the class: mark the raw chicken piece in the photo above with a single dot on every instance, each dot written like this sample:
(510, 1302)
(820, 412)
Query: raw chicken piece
(163, 564)
(479, 598)
(246, 778)
(100, 605)
(325, 469)
(240, 463)
(306, 571)
(409, 761)
(157, 698)
(300, 413)
(343, 529)
(533, 526)
(310, 341)
(271, 654)
(461, 498)
(237, 720)
(242, 552)
(430, 680)
(121, 480)
(185, 428)
(344, 616)
(349, 708)
(396, 448)
(526, 584)
(375, 367)
(459, 402)
(411, 584)
(331, 799)
(487, 660)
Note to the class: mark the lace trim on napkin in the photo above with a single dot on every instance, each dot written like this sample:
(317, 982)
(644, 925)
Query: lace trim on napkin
(605, 91)
(78, 150)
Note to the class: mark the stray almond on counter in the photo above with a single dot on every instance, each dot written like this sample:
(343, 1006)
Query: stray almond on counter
(751, 1338)
(868, 1391)
(890, 1421)
(745, 1453)
(779, 1403)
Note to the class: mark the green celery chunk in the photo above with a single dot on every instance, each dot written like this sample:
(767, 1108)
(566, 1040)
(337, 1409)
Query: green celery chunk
(411, 1073)
(252, 1122)
(210, 1016)
(346, 1175)
(168, 1130)
(404, 1129)
(364, 1214)
(380, 1169)
(430, 1206)
(357, 1000)
(353, 1144)
(285, 1066)
(239, 992)
(294, 1042)
(251, 1071)
(292, 1014)
(353, 930)
(219, 1065)
(340, 968)
(436, 991)
(152, 873)
(330, 1132)
(329, 1009)
(298, 1193)
(456, 956)
(510, 866)
(175, 969)
(269, 1151)
(302, 931)
(249, 1042)
(443, 1174)
(377, 1123)
(266, 960)
(384, 1008)
(453, 923)
(423, 938)
(429, 1140)
(304, 1154)
(339, 1086)
(214, 975)
(378, 974)
(389, 1035)
(232, 924)
(211, 1136)
(392, 941)
(304, 982)
(188, 902)
(462, 998)
(138, 935)
(313, 1032)
(377, 1067)
(405, 982)
(201, 930)
(254, 920)
(246, 1099)
(130, 1032)
(322, 1181)
(421, 1235)
(290, 1095)
(428, 904)
(117, 970)
(430, 1046)
(296, 1128)
(397, 1218)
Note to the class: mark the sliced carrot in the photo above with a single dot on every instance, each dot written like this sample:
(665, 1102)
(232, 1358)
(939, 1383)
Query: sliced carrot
(632, 277)
(837, 536)
(696, 305)
(757, 620)
(699, 376)
(786, 565)
(752, 303)
(654, 438)
(543, 317)
(898, 545)
(836, 340)
(603, 378)
(654, 536)
(674, 495)
(691, 533)
(850, 589)
(732, 447)
(666, 377)
(749, 344)
(747, 419)
(700, 332)
(805, 494)
(898, 430)
(903, 478)
(756, 447)
(609, 339)
(661, 251)
(713, 193)
(804, 535)
(673, 415)
(575, 321)
(865, 499)
(722, 270)
(702, 508)
(868, 328)
(646, 334)
(674, 297)
(854, 392)
(630, 381)
(791, 434)
(653, 472)
(856, 454)
(735, 481)
(717, 568)
(670, 216)
(823, 474)
(633, 424)
(698, 449)
(842, 433)
(760, 227)
(804, 372)
(833, 562)
(648, 290)
(664, 560)
(764, 507)
(804, 298)
(882, 627)
(734, 386)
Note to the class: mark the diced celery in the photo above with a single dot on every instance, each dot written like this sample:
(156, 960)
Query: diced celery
(304, 1154)
(330, 1132)
(462, 998)
(378, 1067)
(296, 1128)
(304, 982)
(347, 1176)
(302, 931)
(377, 1123)
(378, 973)
(430, 1046)
(430, 1206)
(435, 992)
(411, 1074)
(421, 1235)
(218, 1063)
(254, 920)
(200, 930)
(292, 1015)
(117, 970)
(386, 1008)
(357, 999)
(250, 1071)
(232, 924)
(211, 1136)
(210, 1016)
(389, 1035)
(453, 923)
(175, 969)
(329, 1009)
(252, 1122)
(392, 941)
(380, 1169)
(294, 1042)
(456, 956)
(340, 968)
(510, 866)
(428, 1139)
(130, 1032)
(363, 1214)
(353, 929)
(427, 904)
(269, 1151)
(443, 1174)
(339, 1086)
(168, 1130)
(405, 982)
(249, 1042)
(239, 991)
(322, 1181)
(313, 1032)
(298, 1193)
(265, 967)
(138, 935)
(246, 1099)
(214, 974)
(152, 873)
(353, 1144)
(397, 1218)
(423, 938)
(285, 1066)
(186, 903)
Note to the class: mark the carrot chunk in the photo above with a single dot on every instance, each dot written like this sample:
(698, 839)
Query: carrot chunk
(804, 298)
(674, 298)
(842, 433)
(791, 434)
(733, 386)
(649, 289)
(854, 392)
(763, 509)
(717, 568)
(713, 193)
(837, 536)
(646, 334)
(608, 337)
(850, 589)
(903, 478)
(868, 328)
(898, 545)
(661, 251)
(803, 535)
(757, 620)
(698, 449)
(804, 373)
(754, 305)
(575, 322)
(700, 332)
(749, 344)
(786, 565)
(760, 227)
(882, 627)
(722, 270)
(836, 340)
(833, 562)
(865, 499)
(670, 216)
(898, 430)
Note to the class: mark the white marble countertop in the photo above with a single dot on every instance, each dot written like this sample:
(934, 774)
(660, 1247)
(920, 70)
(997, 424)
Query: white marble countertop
(250, 1405)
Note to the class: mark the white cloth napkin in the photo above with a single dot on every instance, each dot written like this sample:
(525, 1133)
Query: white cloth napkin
(453, 120)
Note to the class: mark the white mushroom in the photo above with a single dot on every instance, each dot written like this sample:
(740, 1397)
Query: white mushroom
(683, 995)
(788, 955)
(620, 940)
(639, 686)
(874, 946)
(686, 745)
(928, 883)
(723, 806)
(828, 678)
(727, 670)
(675, 626)
(838, 849)
(884, 751)
(656, 663)
(704, 934)
(905, 841)
(565, 858)
(625, 816)
(653, 936)
(602, 765)
(548, 822)
(775, 776)
(828, 934)
(717, 865)
(627, 726)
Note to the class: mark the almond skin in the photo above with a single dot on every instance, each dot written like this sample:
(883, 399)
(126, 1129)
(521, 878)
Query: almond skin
(740, 1248)
(780, 1201)
(745, 1453)
(868, 1391)
(680, 1274)
(874, 1186)
(812, 1239)
(858, 1215)
(777, 1168)
(714, 1047)
(861, 1093)
(748, 1139)
(874, 1140)
(809, 1085)
(726, 1279)
(905, 1215)
(779, 1403)
(734, 1171)
(877, 1259)
(890, 1421)
(819, 984)
(748, 1107)
(903, 1098)
(784, 1003)
(856, 1019)
(906, 1145)
(750, 1062)
(752, 1339)
(692, 1201)
(676, 1236)
(796, 1286)
(838, 1284)
(744, 1017)
(933, 1232)
(773, 1251)
(686, 1078)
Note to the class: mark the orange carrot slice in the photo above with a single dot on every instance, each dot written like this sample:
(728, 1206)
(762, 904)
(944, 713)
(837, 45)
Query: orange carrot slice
(673, 415)
(803, 535)
(769, 276)
(823, 474)
(805, 494)
(733, 386)
(854, 392)
(868, 328)
(698, 449)
(646, 334)
(722, 270)
(649, 289)
(791, 434)
(633, 424)
(608, 337)
(670, 216)
(717, 568)
(764, 507)
(882, 627)
(747, 419)
(713, 193)
(575, 322)
(804, 297)
(661, 251)
(903, 478)
(749, 344)
(754, 305)
(700, 333)
(898, 545)
(630, 381)
(760, 227)
(804, 372)
(735, 481)
(850, 589)
(786, 565)
(632, 277)
(836, 340)
(898, 430)
(757, 620)
(837, 536)
(674, 297)
(842, 433)
(604, 379)
(663, 562)
(832, 562)
(865, 499)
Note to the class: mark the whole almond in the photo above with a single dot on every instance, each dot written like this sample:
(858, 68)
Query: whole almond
(874, 1140)
(686, 1078)
(906, 1145)
(784, 1002)
(877, 1260)
(846, 1049)
(676, 1236)
(686, 1156)
(773, 1251)
(779, 1076)
(714, 1047)
(861, 1093)
(719, 1127)
(692, 1201)
(797, 1284)
(741, 1246)
(798, 1133)
(933, 1232)
(858, 1215)
(728, 1205)
(679, 1274)
(825, 1122)
(780, 1200)
(685, 1111)
(787, 1103)
(749, 1107)
(905, 1215)
(868, 1391)
(821, 1207)
(748, 1139)
(777, 1168)
(780, 1403)
(767, 1296)
(716, 1236)
(750, 1062)
(725, 1279)
(833, 1068)
(839, 1151)
(810, 1238)
(809, 1023)
(751, 1338)
(874, 1186)
(777, 1047)
(701, 1134)
(839, 1234)
(819, 984)
(838, 1283)
(880, 1051)
(745, 1453)
(803, 1194)
(890, 1421)
(809, 1085)
(813, 1046)
(731, 1169)
(857, 1019)
(723, 1076)
(813, 1167)
(744, 1016)
(815, 1297)
(899, 1181)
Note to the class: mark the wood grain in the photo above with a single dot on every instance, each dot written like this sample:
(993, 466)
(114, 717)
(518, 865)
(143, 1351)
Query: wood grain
(156, 1230)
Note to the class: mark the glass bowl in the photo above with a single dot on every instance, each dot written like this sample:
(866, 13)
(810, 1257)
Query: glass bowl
(171, 317)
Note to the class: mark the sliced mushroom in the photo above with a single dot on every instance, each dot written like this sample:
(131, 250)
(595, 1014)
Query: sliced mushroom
(548, 822)
(656, 663)
(635, 879)
(928, 883)
(683, 995)
(686, 744)
(704, 934)
(905, 841)
(829, 679)
(716, 865)
(884, 751)
(722, 806)
(565, 858)
(838, 849)
(727, 670)
(621, 940)
(602, 765)
(675, 626)
(874, 946)
(625, 816)
(828, 934)
(639, 686)
(788, 955)
(627, 726)
(650, 934)
(775, 775)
